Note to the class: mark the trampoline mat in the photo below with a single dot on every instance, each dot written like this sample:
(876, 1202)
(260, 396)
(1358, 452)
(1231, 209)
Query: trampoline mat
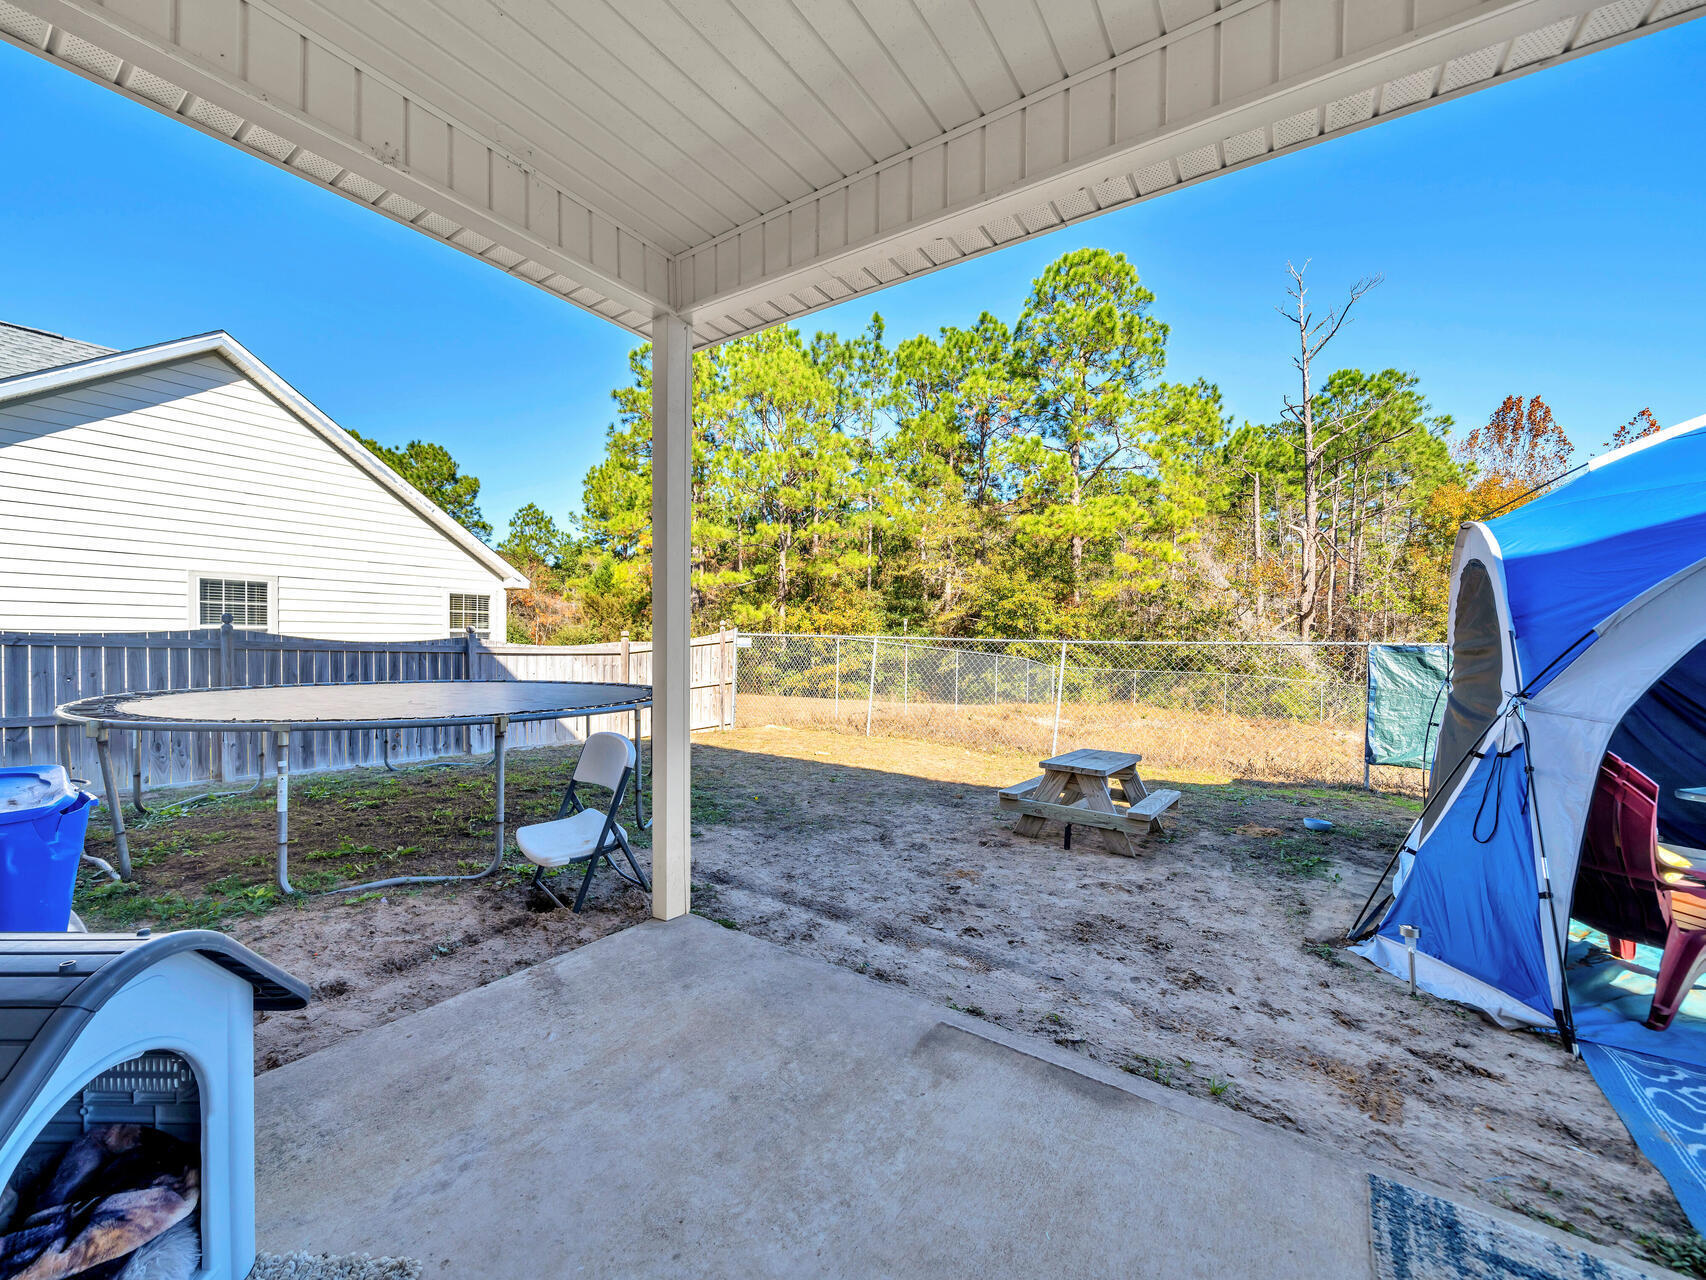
(343, 706)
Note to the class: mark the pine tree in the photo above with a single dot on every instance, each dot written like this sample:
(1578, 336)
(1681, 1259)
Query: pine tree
(1087, 351)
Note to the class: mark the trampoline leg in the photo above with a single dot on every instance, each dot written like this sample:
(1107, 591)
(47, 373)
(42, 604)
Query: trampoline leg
(639, 776)
(136, 777)
(500, 733)
(103, 749)
(281, 777)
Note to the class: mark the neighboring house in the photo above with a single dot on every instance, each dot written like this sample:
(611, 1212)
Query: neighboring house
(155, 489)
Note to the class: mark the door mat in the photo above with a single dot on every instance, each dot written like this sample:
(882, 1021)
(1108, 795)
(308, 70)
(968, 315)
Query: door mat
(1422, 1237)
(324, 1266)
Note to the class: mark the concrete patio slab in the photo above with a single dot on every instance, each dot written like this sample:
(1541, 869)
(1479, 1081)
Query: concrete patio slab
(683, 1100)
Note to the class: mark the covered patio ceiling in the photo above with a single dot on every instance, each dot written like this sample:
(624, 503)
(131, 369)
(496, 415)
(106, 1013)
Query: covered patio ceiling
(746, 161)
(697, 169)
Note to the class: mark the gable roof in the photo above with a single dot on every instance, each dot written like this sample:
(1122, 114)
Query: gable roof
(107, 364)
(25, 350)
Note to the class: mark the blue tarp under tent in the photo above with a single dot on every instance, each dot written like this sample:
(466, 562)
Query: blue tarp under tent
(1577, 626)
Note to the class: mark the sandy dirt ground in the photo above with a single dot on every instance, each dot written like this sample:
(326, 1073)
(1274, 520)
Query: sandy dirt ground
(1212, 963)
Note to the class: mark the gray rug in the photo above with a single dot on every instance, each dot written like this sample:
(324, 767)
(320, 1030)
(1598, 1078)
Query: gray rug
(1421, 1237)
(323, 1266)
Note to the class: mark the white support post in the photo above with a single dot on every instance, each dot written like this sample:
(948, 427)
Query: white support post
(672, 625)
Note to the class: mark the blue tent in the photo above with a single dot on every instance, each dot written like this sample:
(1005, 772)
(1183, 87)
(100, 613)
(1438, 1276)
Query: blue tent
(1577, 619)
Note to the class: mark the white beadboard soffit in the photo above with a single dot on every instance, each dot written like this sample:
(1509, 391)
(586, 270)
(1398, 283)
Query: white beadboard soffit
(750, 161)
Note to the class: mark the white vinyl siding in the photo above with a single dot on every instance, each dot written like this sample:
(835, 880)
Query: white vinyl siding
(115, 495)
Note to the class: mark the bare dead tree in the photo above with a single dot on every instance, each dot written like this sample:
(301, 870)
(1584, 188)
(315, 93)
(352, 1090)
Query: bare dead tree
(1313, 335)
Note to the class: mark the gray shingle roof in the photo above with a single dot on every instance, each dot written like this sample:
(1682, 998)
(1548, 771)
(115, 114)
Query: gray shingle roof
(25, 350)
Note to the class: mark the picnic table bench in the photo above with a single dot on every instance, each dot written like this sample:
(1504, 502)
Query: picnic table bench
(1075, 789)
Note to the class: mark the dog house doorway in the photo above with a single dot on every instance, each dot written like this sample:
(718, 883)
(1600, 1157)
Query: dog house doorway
(127, 1081)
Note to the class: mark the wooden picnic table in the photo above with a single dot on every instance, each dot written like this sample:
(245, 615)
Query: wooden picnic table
(1078, 789)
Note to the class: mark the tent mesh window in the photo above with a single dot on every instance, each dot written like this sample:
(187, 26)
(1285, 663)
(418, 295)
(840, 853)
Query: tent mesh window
(246, 602)
(470, 611)
(1476, 687)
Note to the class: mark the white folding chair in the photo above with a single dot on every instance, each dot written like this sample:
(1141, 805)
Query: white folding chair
(582, 834)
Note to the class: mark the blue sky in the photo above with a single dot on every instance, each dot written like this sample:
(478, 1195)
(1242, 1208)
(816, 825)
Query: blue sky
(1540, 237)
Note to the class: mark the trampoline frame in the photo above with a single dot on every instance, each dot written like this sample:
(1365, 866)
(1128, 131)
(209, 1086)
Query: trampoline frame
(89, 713)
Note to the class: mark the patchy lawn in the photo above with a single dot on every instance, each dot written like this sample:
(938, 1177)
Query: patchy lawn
(370, 957)
(1211, 964)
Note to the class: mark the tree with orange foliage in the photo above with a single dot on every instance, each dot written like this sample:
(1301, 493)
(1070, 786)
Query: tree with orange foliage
(1519, 453)
(1642, 425)
(1512, 460)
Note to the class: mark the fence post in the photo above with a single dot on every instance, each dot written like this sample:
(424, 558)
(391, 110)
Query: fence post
(731, 656)
(225, 657)
(627, 657)
(1059, 689)
(221, 742)
(837, 679)
(1366, 708)
(1225, 692)
(470, 653)
(905, 676)
(871, 690)
(956, 678)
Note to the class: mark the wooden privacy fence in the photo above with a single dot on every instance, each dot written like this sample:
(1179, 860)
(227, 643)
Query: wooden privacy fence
(39, 671)
(624, 661)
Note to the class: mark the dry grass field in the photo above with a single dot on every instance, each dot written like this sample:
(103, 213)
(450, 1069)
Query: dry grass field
(1201, 746)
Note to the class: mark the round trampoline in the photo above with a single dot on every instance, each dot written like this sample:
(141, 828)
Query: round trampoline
(281, 710)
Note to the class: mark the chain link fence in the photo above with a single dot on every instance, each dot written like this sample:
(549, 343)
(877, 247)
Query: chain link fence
(1203, 710)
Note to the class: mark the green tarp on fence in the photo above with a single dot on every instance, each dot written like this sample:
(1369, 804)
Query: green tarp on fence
(1404, 702)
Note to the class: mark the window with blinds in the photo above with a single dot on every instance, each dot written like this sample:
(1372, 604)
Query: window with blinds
(245, 601)
(470, 611)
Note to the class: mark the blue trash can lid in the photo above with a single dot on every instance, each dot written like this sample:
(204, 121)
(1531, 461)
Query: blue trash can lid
(26, 790)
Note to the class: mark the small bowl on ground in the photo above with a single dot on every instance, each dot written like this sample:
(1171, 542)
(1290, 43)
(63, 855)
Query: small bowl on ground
(1317, 824)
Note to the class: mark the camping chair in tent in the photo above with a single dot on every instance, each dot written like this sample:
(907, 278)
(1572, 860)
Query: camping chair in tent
(1636, 890)
(581, 834)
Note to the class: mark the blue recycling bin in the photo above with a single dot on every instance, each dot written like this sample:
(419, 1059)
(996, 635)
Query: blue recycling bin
(43, 819)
